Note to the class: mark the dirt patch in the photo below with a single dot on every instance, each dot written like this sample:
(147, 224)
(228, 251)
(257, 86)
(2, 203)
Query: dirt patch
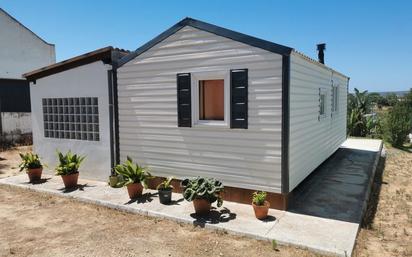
(42, 225)
(10, 159)
(387, 229)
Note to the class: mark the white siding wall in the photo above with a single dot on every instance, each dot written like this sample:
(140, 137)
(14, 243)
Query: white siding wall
(312, 141)
(86, 81)
(248, 158)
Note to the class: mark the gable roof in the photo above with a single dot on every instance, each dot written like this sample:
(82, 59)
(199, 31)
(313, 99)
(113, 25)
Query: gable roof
(106, 54)
(240, 37)
(22, 25)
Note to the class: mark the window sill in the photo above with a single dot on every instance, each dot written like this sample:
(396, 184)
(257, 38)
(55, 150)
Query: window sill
(211, 124)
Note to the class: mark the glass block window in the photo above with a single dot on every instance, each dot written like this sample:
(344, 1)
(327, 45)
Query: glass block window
(71, 118)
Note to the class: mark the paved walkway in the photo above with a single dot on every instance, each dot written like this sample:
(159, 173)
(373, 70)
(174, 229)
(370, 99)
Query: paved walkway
(333, 233)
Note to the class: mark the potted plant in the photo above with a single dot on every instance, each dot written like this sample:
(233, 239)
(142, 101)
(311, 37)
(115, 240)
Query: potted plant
(260, 205)
(203, 192)
(33, 166)
(68, 168)
(113, 179)
(135, 177)
(165, 191)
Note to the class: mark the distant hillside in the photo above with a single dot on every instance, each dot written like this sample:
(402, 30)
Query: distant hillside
(398, 93)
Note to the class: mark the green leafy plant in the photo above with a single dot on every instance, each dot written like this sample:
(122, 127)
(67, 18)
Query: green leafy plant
(166, 184)
(398, 124)
(133, 173)
(29, 161)
(259, 198)
(275, 245)
(203, 188)
(69, 163)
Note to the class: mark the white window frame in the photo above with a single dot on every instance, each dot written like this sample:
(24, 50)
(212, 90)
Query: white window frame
(214, 75)
(335, 98)
(322, 91)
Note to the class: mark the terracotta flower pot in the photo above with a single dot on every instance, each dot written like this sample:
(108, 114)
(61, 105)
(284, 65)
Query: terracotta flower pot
(135, 190)
(202, 206)
(261, 211)
(70, 180)
(34, 174)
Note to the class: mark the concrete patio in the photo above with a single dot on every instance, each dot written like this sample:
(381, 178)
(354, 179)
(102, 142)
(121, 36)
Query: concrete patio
(324, 216)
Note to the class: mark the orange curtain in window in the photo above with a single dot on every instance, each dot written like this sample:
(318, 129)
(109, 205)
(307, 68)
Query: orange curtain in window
(211, 100)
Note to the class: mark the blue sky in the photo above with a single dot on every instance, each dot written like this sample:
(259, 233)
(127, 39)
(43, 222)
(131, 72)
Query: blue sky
(370, 41)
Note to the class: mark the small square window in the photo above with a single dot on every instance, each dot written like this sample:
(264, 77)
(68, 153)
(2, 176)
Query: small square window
(322, 104)
(211, 100)
(335, 99)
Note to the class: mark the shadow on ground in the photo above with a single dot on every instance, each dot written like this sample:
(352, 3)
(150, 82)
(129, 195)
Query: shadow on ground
(79, 187)
(213, 217)
(145, 198)
(37, 182)
(338, 188)
(372, 207)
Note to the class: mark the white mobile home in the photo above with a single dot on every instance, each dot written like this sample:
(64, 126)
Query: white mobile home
(201, 100)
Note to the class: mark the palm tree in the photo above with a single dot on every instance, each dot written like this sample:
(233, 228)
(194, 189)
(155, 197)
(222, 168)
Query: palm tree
(358, 105)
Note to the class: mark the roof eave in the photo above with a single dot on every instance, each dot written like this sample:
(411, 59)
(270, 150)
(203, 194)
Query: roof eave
(97, 55)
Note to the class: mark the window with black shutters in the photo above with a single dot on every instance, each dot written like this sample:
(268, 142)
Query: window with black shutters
(213, 99)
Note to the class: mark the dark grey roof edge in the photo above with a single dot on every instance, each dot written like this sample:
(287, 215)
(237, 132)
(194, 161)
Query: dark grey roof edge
(21, 24)
(237, 36)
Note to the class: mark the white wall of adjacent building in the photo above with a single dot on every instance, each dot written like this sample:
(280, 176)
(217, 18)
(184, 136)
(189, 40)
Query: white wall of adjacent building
(16, 122)
(21, 50)
(89, 80)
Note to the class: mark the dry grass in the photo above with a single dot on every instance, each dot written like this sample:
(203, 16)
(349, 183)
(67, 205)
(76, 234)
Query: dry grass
(34, 224)
(387, 228)
(10, 159)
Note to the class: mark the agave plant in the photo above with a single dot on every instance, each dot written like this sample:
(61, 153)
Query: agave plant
(133, 173)
(166, 184)
(68, 163)
(29, 161)
(203, 188)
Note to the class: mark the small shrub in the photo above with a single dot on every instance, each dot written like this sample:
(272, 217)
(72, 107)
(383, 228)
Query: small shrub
(259, 198)
(203, 188)
(133, 173)
(397, 124)
(68, 163)
(29, 161)
(166, 184)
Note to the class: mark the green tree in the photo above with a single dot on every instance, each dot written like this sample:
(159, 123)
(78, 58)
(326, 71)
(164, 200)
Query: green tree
(359, 104)
(398, 124)
(392, 99)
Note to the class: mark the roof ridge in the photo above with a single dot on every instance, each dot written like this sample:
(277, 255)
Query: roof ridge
(214, 29)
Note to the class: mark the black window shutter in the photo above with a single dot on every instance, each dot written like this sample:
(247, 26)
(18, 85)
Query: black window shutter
(239, 98)
(184, 103)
